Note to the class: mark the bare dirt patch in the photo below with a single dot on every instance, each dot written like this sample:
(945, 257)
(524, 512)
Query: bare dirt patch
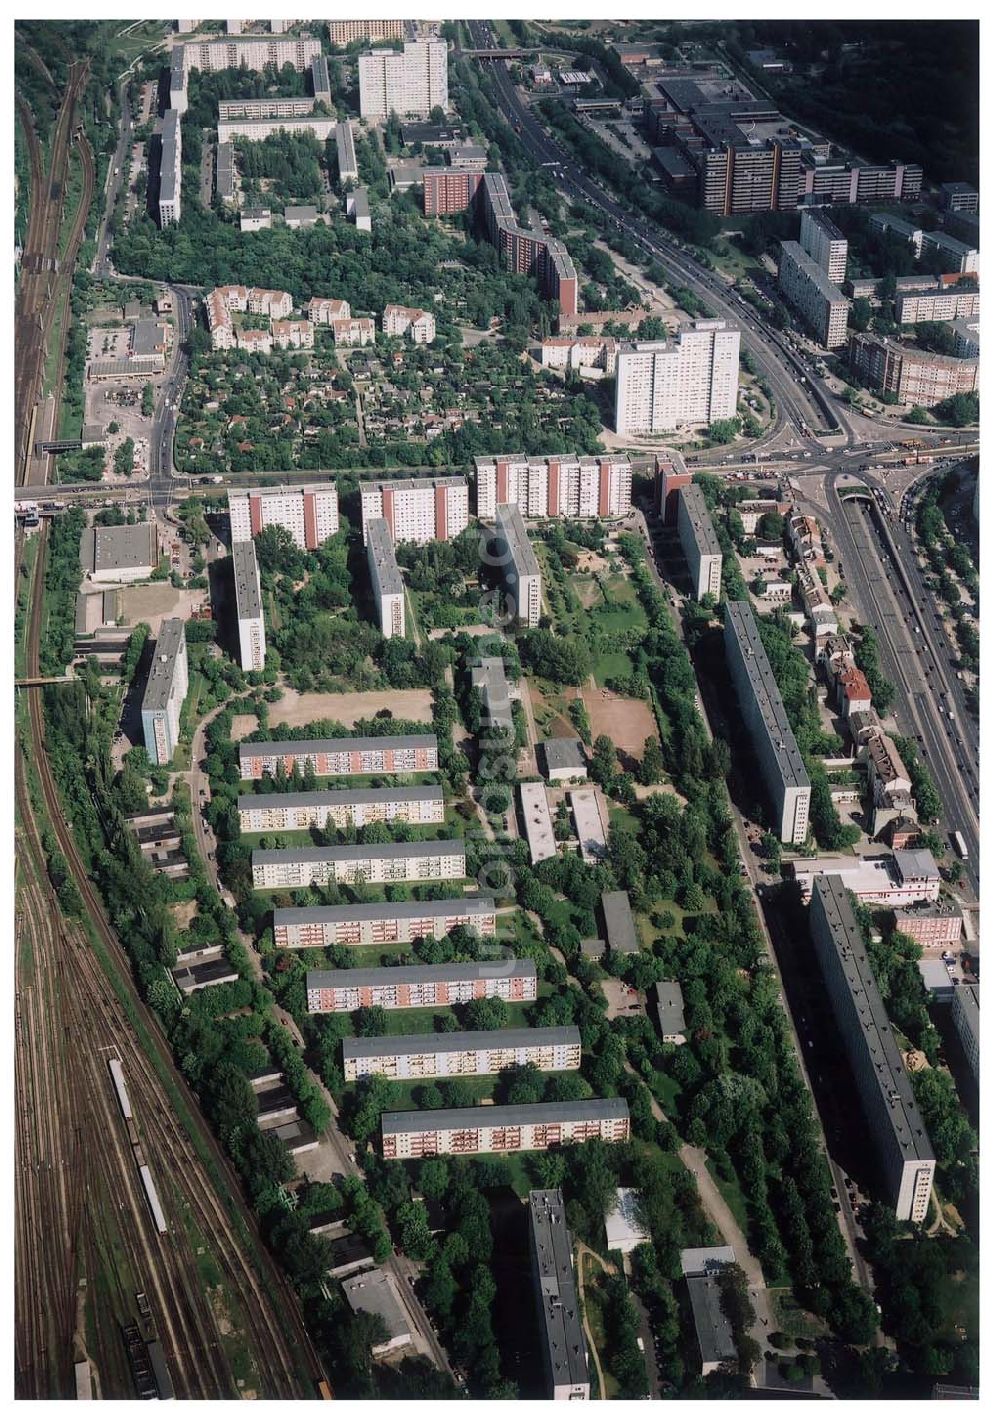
(243, 724)
(157, 602)
(628, 723)
(623, 1001)
(591, 561)
(299, 709)
(184, 912)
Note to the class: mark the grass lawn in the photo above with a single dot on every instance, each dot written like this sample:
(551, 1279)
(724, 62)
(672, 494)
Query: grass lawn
(592, 1274)
(620, 817)
(666, 1091)
(794, 1321)
(648, 932)
(612, 664)
(732, 1195)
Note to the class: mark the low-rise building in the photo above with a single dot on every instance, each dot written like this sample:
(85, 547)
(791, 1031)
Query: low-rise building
(254, 218)
(249, 607)
(716, 1341)
(567, 1366)
(853, 692)
(347, 162)
(164, 695)
(589, 824)
(528, 1127)
(619, 925)
(343, 809)
(581, 352)
(625, 1225)
(820, 303)
(564, 760)
(420, 986)
(899, 878)
(517, 566)
(482, 1051)
(489, 677)
(965, 1014)
(340, 758)
(296, 217)
(383, 923)
(670, 1012)
(537, 822)
(418, 510)
(120, 555)
(936, 928)
(384, 862)
(375, 1293)
(699, 542)
(358, 207)
(387, 583)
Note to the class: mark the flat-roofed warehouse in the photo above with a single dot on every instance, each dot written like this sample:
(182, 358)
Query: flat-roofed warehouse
(529, 1127)
(381, 922)
(567, 1364)
(339, 758)
(420, 986)
(346, 807)
(480, 1051)
(382, 862)
(895, 1122)
(120, 554)
(781, 766)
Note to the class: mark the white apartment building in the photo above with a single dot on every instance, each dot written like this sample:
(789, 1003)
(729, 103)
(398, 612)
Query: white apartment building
(594, 352)
(530, 1127)
(292, 334)
(520, 575)
(914, 307)
(221, 302)
(324, 310)
(965, 1015)
(387, 583)
(823, 307)
(404, 320)
(309, 512)
(347, 162)
(348, 807)
(345, 32)
(825, 243)
(386, 862)
(170, 169)
(254, 52)
(409, 84)
(165, 690)
(249, 606)
(353, 333)
(341, 758)
(700, 544)
(381, 922)
(417, 509)
(562, 485)
(661, 384)
(255, 130)
(537, 822)
(453, 1055)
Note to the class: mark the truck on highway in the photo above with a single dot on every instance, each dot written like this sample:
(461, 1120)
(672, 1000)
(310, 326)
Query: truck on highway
(960, 847)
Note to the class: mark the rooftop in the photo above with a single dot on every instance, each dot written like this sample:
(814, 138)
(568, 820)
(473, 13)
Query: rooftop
(670, 1007)
(251, 748)
(383, 910)
(523, 1115)
(374, 851)
(746, 637)
(565, 1346)
(715, 1333)
(375, 1294)
(247, 578)
(340, 796)
(619, 922)
(469, 1041)
(511, 531)
(421, 974)
(817, 276)
(564, 753)
(537, 822)
(382, 558)
(700, 520)
(119, 548)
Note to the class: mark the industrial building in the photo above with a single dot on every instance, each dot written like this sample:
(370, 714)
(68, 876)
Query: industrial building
(170, 169)
(417, 509)
(662, 384)
(474, 1052)
(537, 822)
(384, 923)
(965, 1014)
(341, 758)
(825, 243)
(822, 305)
(701, 546)
(560, 485)
(420, 986)
(343, 809)
(164, 695)
(249, 606)
(409, 83)
(309, 512)
(529, 1127)
(380, 863)
(897, 1128)
(778, 757)
(387, 583)
(517, 567)
(567, 1366)
(120, 555)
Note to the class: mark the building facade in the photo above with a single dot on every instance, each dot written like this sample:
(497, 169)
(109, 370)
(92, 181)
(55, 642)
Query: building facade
(387, 583)
(399, 320)
(385, 862)
(567, 1366)
(933, 929)
(965, 1014)
(165, 690)
(345, 32)
(820, 303)
(408, 83)
(661, 384)
(448, 190)
(825, 244)
(700, 544)
(914, 376)
(343, 809)
(561, 485)
(779, 760)
(420, 986)
(381, 922)
(475, 1052)
(527, 252)
(531, 1127)
(914, 307)
(310, 513)
(341, 758)
(517, 566)
(249, 606)
(417, 509)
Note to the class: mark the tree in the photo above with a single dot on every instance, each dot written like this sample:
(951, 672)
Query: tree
(372, 1021)
(651, 768)
(861, 313)
(414, 1230)
(520, 1083)
(491, 1013)
(604, 760)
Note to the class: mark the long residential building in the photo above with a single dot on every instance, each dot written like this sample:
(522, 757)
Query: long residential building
(448, 190)
(249, 606)
(914, 376)
(531, 1127)
(384, 862)
(895, 1122)
(254, 52)
(700, 544)
(408, 83)
(417, 509)
(821, 304)
(778, 757)
(344, 808)
(517, 565)
(321, 79)
(593, 352)
(345, 32)
(661, 384)
(347, 162)
(567, 1365)
(339, 758)
(452, 1055)
(901, 878)
(310, 513)
(825, 243)
(387, 583)
(225, 176)
(965, 1015)
(420, 986)
(559, 485)
(170, 169)
(527, 253)
(381, 922)
(255, 130)
(165, 690)
(914, 307)
(264, 108)
(537, 822)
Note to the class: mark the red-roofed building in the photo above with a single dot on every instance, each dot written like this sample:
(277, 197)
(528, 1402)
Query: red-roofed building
(853, 692)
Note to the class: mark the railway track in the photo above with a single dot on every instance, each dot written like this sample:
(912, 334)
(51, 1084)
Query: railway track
(80, 1202)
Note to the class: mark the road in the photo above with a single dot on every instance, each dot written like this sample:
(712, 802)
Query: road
(113, 183)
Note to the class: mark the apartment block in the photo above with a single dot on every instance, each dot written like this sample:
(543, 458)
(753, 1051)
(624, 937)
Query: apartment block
(914, 376)
(341, 758)
(527, 252)
(253, 52)
(225, 176)
(170, 169)
(825, 243)
(221, 302)
(701, 546)
(310, 513)
(255, 130)
(517, 566)
(897, 1128)
(381, 922)
(165, 690)
(375, 864)
(417, 509)
(292, 334)
(567, 1366)
(587, 352)
(561, 485)
(846, 184)
(408, 83)
(661, 384)
(321, 80)
(344, 808)
(264, 108)
(420, 986)
(532, 1127)
(448, 190)
(345, 32)
(249, 606)
(822, 306)
(778, 757)
(932, 929)
(914, 307)
(387, 583)
(399, 320)
(901, 878)
(347, 161)
(454, 1055)
(965, 1014)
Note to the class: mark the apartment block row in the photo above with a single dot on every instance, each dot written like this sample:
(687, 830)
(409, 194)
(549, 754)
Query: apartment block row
(531, 1127)
(527, 253)
(662, 384)
(165, 690)
(170, 169)
(341, 758)
(345, 32)
(915, 307)
(961, 257)
(294, 867)
(914, 376)
(474, 1052)
(559, 485)
(516, 566)
(249, 606)
(420, 986)
(310, 513)
(567, 1365)
(387, 583)
(253, 52)
(822, 305)
(347, 808)
(416, 509)
(381, 922)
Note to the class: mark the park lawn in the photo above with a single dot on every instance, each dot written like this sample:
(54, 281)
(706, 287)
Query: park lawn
(648, 932)
(620, 817)
(732, 1195)
(792, 1319)
(665, 1090)
(612, 664)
